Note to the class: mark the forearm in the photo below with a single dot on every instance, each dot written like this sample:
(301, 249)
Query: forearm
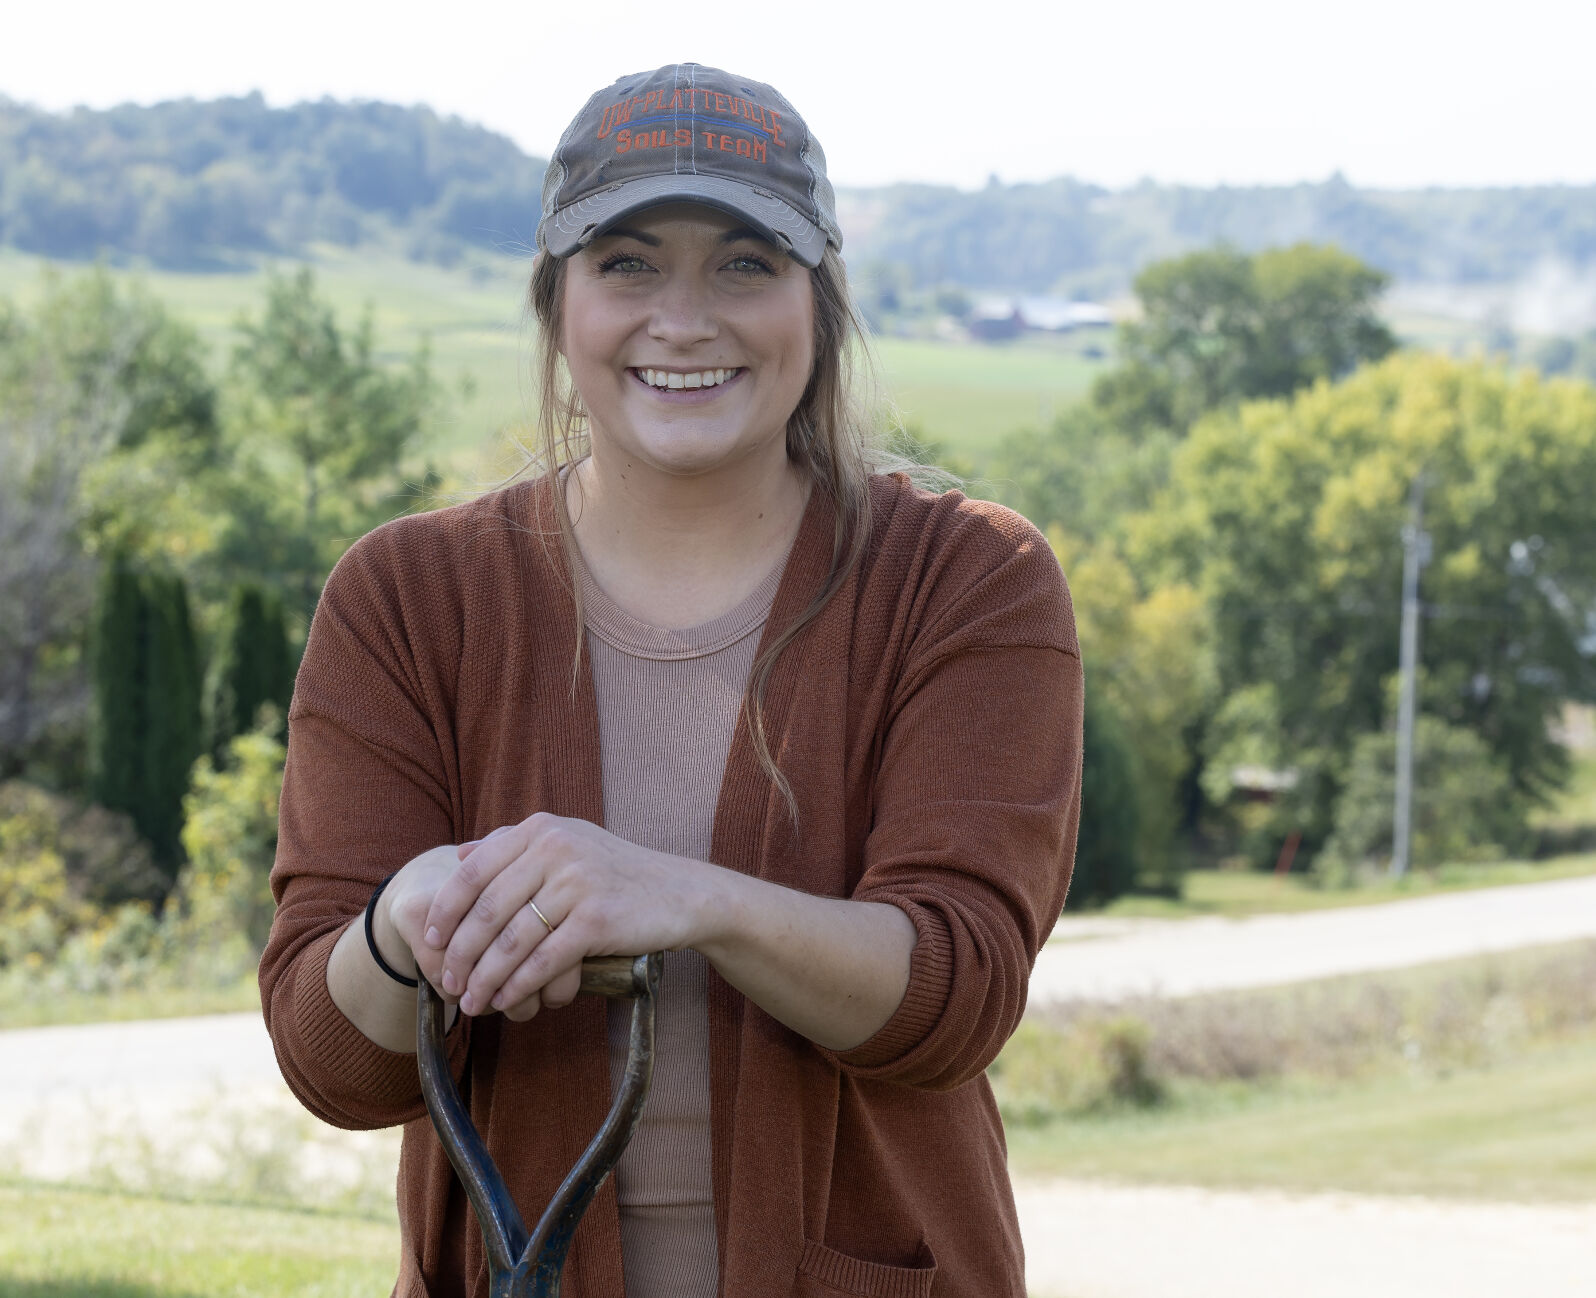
(830, 969)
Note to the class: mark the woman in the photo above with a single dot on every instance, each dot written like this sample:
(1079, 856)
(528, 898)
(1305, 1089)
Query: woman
(705, 685)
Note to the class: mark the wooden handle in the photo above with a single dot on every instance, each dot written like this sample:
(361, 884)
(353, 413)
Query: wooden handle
(619, 977)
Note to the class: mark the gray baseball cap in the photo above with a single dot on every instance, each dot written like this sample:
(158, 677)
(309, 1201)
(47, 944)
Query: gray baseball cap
(687, 133)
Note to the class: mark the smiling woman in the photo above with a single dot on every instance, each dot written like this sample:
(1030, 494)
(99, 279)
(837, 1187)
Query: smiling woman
(649, 310)
(821, 744)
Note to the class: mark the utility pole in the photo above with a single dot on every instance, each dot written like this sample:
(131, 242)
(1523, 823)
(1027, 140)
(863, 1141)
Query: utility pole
(1415, 554)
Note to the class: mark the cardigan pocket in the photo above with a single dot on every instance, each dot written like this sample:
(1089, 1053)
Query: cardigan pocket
(824, 1272)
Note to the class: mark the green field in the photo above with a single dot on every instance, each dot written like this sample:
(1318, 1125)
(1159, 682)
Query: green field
(65, 1243)
(963, 395)
(1523, 1130)
(25, 1004)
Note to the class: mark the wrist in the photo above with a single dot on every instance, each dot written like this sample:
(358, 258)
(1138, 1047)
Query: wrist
(718, 910)
(390, 944)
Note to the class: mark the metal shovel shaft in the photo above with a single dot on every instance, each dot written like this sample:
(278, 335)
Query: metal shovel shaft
(522, 1265)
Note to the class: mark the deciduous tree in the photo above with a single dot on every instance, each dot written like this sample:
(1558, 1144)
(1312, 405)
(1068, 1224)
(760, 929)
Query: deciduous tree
(1222, 326)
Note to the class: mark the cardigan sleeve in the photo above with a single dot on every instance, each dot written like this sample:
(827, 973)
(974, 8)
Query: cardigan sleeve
(365, 789)
(977, 802)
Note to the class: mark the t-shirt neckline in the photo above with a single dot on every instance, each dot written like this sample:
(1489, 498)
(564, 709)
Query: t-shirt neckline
(621, 630)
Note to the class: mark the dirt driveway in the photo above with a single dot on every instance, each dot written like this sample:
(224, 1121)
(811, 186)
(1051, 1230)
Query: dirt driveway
(1089, 1240)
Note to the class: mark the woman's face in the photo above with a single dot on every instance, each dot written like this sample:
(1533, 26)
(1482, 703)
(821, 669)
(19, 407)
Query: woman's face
(690, 339)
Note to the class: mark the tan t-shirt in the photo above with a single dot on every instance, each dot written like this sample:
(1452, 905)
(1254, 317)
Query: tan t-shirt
(667, 704)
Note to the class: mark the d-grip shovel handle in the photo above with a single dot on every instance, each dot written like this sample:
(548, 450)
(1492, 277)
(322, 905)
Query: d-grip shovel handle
(520, 1266)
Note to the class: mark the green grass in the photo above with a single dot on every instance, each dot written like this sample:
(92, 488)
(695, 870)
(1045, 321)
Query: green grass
(69, 1243)
(968, 396)
(1523, 1130)
(1240, 893)
(22, 1007)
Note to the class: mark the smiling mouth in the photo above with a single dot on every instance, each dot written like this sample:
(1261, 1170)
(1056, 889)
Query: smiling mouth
(678, 380)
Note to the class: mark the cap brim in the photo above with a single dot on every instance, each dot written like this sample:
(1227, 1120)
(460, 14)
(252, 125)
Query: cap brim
(579, 224)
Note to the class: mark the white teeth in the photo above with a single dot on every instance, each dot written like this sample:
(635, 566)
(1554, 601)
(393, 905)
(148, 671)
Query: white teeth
(670, 379)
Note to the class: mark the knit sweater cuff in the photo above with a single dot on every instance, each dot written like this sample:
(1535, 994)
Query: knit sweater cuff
(924, 1000)
(342, 1063)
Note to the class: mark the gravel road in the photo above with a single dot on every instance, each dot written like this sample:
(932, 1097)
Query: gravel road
(1116, 958)
(1089, 1240)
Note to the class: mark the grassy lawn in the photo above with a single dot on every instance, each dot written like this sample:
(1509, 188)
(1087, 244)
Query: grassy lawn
(1245, 892)
(65, 1243)
(968, 396)
(1523, 1130)
(23, 1007)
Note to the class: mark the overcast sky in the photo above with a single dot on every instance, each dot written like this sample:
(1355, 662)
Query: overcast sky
(1391, 93)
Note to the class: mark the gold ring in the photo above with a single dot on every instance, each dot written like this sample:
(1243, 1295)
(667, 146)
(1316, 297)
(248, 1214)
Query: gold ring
(540, 914)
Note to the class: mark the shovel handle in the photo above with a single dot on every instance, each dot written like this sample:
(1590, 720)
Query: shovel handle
(524, 1264)
(619, 977)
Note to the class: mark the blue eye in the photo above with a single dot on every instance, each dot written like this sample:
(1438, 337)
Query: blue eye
(751, 264)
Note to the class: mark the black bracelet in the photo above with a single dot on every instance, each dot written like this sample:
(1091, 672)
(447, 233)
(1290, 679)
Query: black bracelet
(371, 941)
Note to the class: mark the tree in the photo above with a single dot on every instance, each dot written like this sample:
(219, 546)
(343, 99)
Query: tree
(1110, 827)
(1287, 517)
(230, 835)
(252, 665)
(1463, 809)
(1222, 326)
(323, 422)
(108, 441)
(1150, 664)
(1085, 474)
(146, 731)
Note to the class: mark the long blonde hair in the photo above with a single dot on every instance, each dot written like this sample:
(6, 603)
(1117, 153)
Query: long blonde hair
(830, 435)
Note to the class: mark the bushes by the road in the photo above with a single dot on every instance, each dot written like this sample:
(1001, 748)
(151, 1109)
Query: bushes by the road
(81, 901)
(1463, 805)
(1084, 1058)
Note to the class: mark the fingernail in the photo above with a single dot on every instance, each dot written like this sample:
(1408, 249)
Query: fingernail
(450, 987)
(434, 938)
(467, 1005)
(498, 1001)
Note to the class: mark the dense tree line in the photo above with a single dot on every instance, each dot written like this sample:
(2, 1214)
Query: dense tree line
(1070, 237)
(191, 183)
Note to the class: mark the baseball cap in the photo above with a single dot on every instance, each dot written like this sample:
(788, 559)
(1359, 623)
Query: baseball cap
(689, 133)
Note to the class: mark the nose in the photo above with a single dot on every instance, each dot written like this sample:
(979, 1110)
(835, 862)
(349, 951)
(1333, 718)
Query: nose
(683, 312)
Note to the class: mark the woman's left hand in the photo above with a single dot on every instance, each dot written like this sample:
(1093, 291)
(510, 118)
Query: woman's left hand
(600, 895)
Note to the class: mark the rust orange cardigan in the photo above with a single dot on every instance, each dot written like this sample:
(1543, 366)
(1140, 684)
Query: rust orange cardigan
(929, 722)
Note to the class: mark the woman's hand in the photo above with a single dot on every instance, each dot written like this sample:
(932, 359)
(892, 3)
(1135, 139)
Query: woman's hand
(403, 909)
(599, 894)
